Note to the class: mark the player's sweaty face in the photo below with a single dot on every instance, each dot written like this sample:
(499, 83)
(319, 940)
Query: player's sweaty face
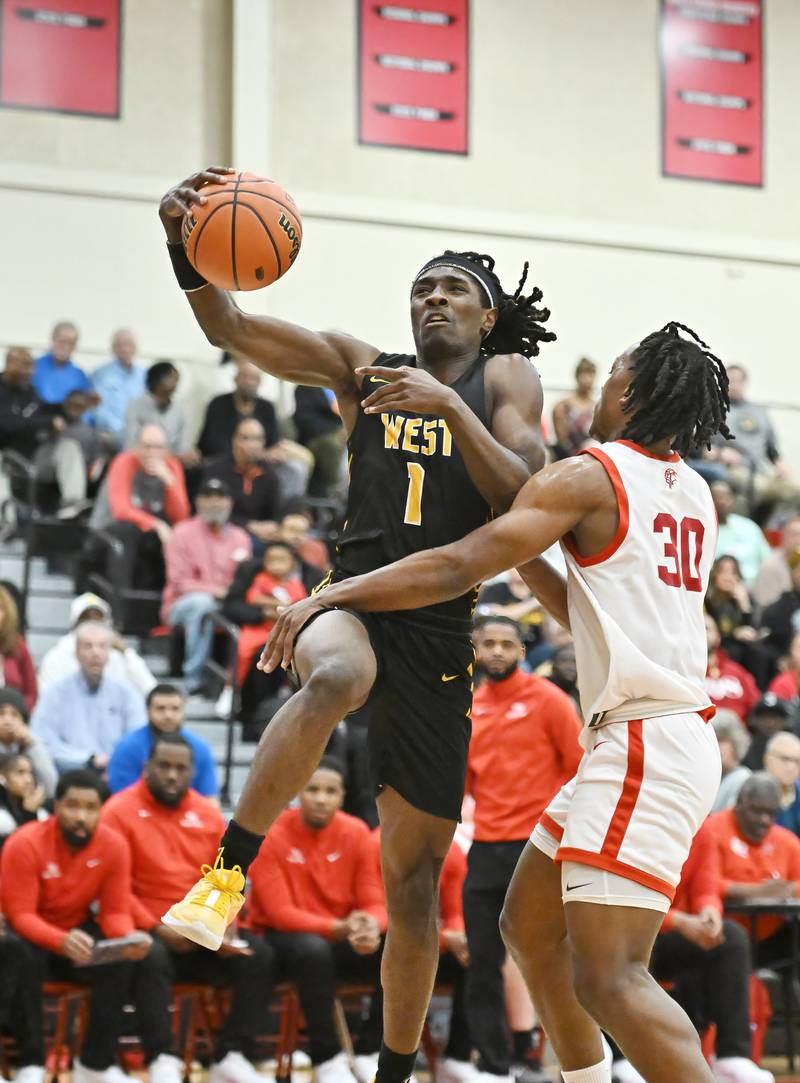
(447, 310)
(609, 420)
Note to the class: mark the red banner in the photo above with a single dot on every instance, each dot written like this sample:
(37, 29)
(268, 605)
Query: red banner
(712, 87)
(61, 55)
(414, 74)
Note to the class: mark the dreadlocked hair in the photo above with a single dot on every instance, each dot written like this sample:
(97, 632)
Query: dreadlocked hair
(518, 328)
(679, 389)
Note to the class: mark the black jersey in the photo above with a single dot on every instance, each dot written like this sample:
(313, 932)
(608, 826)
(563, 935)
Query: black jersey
(410, 490)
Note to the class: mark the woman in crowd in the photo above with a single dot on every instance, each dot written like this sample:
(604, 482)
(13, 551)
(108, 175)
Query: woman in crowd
(17, 666)
(572, 416)
(729, 603)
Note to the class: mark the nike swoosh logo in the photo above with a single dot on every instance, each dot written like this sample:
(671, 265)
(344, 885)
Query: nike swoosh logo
(378, 380)
(574, 887)
(445, 678)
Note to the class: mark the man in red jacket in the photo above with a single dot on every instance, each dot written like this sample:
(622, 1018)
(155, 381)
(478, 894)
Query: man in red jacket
(708, 957)
(168, 828)
(728, 684)
(53, 874)
(317, 898)
(524, 747)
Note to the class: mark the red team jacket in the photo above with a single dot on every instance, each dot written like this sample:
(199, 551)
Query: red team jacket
(700, 878)
(48, 888)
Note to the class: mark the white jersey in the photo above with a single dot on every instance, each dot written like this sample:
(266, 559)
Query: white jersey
(636, 608)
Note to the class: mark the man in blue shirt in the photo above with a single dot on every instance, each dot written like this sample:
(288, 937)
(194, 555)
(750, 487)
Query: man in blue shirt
(164, 715)
(782, 761)
(56, 375)
(118, 383)
(82, 717)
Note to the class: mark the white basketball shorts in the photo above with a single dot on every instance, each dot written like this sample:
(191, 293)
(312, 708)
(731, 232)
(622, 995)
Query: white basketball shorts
(642, 790)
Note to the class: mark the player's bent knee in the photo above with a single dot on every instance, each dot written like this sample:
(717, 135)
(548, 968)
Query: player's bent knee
(337, 689)
(603, 991)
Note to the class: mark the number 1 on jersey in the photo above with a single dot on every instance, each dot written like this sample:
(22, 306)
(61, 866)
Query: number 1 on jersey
(416, 479)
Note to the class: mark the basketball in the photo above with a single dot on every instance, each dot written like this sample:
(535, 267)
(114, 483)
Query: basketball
(246, 235)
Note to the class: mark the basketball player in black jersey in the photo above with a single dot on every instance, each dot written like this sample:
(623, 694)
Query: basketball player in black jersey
(439, 441)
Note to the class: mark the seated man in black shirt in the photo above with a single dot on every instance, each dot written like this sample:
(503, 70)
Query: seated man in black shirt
(251, 480)
(35, 431)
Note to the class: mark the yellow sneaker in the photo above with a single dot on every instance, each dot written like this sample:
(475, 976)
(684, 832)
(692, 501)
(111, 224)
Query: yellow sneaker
(210, 906)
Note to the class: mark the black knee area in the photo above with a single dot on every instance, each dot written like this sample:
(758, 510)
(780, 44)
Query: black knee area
(736, 941)
(310, 951)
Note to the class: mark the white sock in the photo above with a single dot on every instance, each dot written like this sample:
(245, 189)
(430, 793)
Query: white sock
(598, 1073)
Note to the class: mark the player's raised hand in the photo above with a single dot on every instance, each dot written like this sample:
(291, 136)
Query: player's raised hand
(405, 388)
(279, 648)
(180, 199)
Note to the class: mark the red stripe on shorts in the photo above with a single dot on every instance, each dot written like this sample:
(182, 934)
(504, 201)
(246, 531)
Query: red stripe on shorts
(630, 791)
(552, 828)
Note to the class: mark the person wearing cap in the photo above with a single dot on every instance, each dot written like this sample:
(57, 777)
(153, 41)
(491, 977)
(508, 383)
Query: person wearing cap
(16, 738)
(770, 715)
(201, 557)
(124, 663)
(782, 618)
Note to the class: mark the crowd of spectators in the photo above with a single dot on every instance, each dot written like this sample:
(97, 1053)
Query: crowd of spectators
(99, 773)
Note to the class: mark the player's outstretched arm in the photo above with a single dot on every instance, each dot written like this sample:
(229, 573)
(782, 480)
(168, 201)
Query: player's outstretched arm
(549, 586)
(280, 348)
(551, 504)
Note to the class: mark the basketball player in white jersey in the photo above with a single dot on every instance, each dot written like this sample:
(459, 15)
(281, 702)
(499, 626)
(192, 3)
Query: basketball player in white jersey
(639, 532)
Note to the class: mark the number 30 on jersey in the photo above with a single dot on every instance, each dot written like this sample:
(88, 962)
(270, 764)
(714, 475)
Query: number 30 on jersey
(683, 550)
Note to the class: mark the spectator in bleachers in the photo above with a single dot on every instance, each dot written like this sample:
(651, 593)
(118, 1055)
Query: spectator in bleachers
(572, 416)
(118, 383)
(782, 618)
(319, 428)
(36, 432)
(260, 587)
(754, 461)
(769, 716)
(16, 665)
(158, 407)
(758, 859)
(708, 959)
(165, 707)
(124, 662)
(56, 374)
(97, 446)
(728, 602)
(224, 413)
(317, 899)
(564, 672)
(65, 885)
(81, 717)
(727, 683)
(295, 529)
(16, 737)
(454, 1065)
(786, 685)
(21, 796)
(251, 480)
(774, 576)
(734, 741)
(169, 828)
(202, 557)
(18, 992)
(524, 747)
(782, 761)
(510, 596)
(739, 537)
(142, 498)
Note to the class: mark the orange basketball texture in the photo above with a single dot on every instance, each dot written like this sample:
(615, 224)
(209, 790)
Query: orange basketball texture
(246, 235)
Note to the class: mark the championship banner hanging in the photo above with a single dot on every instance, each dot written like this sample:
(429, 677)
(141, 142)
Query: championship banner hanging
(712, 90)
(414, 74)
(61, 55)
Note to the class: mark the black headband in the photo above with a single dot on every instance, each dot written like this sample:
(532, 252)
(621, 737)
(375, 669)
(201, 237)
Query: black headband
(474, 270)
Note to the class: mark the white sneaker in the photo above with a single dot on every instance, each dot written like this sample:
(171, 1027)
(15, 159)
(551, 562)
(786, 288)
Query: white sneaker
(300, 1059)
(449, 1070)
(31, 1073)
(740, 1070)
(166, 1069)
(335, 1070)
(624, 1072)
(236, 1068)
(114, 1074)
(365, 1065)
(222, 708)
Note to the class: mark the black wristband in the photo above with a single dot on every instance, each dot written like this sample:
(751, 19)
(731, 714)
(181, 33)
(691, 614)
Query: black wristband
(187, 276)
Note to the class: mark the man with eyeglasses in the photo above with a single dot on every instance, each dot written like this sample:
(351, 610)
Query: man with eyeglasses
(782, 761)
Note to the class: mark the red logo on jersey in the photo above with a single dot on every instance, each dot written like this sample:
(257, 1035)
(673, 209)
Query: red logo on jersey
(670, 476)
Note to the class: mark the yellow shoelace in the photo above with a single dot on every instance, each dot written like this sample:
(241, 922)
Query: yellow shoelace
(217, 878)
